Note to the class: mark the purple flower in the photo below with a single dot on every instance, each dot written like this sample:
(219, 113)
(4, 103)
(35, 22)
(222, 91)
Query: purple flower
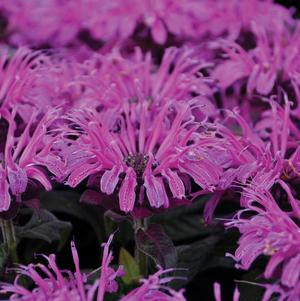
(59, 23)
(18, 73)
(247, 158)
(43, 22)
(142, 139)
(22, 155)
(107, 281)
(58, 83)
(272, 232)
(234, 18)
(154, 288)
(188, 20)
(271, 62)
(247, 150)
(51, 283)
(112, 79)
(145, 150)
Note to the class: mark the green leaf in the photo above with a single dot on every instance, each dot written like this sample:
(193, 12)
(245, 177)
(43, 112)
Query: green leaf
(155, 243)
(186, 223)
(132, 273)
(192, 258)
(3, 256)
(67, 202)
(45, 226)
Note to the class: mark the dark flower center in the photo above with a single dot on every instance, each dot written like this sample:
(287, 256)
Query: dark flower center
(138, 162)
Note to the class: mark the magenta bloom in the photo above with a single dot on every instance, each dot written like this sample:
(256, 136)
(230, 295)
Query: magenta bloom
(154, 288)
(18, 74)
(107, 281)
(59, 23)
(185, 20)
(23, 156)
(247, 157)
(233, 18)
(159, 154)
(63, 285)
(112, 80)
(37, 22)
(144, 142)
(270, 232)
(276, 127)
(251, 156)
(273, 61)
(54, 284)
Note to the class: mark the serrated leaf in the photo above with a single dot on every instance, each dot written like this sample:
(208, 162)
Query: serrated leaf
(45, 226)
(132, 273)
(155, 243)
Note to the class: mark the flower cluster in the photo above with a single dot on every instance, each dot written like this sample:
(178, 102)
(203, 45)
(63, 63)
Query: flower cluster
(51, 283)
(145, 105)
(63, 23)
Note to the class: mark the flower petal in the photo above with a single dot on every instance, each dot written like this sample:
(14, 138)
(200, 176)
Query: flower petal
(18, 180)
(156, 192)
(81, 173)
(175, 183)
(127, 191)
(110, 179)
(159, 32)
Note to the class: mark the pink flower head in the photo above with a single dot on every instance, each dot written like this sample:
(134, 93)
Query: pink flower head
(271, 63)
(43, 22)
(54, 284)
(63, 285)
(36, 81)
(107, 281)
(142, 139)
(233, 18)
(251, 156)
(271, 232)
(18, 73)
(23, 156)
(154, 288)
(278, 128)
(183, 19)
(112, 79)
(59, 23)
(247, 159)
(147, 151)
(58, 83)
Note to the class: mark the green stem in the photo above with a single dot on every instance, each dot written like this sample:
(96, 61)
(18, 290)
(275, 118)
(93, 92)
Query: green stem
(9, 239)
(140, 257)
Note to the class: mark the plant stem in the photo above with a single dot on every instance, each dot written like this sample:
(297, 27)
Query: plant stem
(140, 257)
(9, 239)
